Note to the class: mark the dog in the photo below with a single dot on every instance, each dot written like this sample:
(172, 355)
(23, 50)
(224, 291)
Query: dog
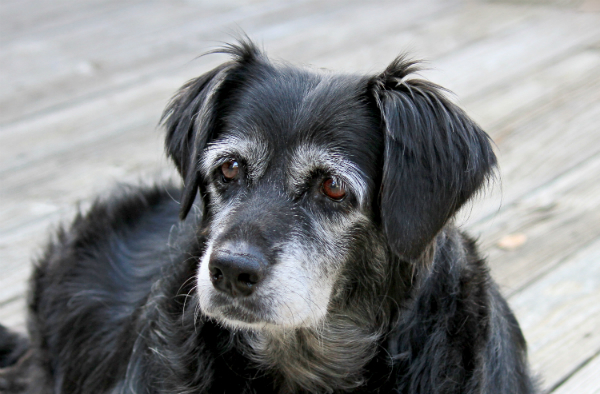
(311, 249)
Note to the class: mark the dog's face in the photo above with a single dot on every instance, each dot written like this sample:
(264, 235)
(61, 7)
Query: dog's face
(289, 183)
(307, 177)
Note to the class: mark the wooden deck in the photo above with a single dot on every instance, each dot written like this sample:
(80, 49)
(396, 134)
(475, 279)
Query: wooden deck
(84, 83)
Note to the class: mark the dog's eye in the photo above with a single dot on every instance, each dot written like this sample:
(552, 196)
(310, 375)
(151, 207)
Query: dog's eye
(230, 170)
(334, 189)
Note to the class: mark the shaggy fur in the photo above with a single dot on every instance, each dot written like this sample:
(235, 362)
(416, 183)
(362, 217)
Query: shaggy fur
(256, 276)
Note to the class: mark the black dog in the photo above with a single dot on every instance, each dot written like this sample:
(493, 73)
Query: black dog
(316, 252)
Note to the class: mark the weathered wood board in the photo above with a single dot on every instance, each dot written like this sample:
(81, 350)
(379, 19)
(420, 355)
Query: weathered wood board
(560, 315)
(584, 381)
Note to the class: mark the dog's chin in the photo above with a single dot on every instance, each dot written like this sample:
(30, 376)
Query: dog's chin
(248, 315)
(237, 318)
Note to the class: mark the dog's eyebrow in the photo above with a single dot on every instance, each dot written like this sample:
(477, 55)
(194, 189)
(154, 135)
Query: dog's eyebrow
(310, 158)
(251, 149)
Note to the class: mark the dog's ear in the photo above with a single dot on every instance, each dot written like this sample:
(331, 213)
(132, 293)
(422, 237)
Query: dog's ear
(190, 120)
(435, 158)
(192, 117)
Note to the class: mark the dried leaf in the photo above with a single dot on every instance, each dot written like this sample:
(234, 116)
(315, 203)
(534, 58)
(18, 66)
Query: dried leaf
(512, 241)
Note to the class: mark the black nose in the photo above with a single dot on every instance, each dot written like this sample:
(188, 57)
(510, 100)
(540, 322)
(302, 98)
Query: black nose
(235, 274)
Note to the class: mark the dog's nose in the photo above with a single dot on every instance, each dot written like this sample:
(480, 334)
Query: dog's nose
(235, 274)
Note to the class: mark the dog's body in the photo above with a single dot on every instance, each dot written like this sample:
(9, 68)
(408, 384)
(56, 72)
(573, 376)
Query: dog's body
(320, 256)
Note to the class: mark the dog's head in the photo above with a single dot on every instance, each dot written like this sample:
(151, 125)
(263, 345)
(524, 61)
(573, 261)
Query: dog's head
(307, 176)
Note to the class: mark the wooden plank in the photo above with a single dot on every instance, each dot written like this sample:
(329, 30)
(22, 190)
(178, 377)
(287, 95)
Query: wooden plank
(585, 381)
(32, 19)
(377, 37)
(539, 145)
(556, 221)
(430, 40)
(26, 17)
(62, 67)
(525, 97)
(560, 316)
(302, 26)
(35, 140)
(64, 179)
(138, 42)
(476, 63)
(13, 315)
(544, 38)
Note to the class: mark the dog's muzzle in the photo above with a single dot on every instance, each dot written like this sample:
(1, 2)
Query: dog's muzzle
(236, 272)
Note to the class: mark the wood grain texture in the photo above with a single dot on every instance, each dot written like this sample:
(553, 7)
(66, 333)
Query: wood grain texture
(560, 316)
(585, 381)
(557, 218)
(140, 40)
(517, 116)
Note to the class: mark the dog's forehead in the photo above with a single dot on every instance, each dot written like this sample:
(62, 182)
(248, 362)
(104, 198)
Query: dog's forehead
(290, 110)
(293, 103)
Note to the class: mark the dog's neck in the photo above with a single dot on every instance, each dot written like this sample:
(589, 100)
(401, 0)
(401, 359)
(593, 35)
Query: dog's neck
(330, 357)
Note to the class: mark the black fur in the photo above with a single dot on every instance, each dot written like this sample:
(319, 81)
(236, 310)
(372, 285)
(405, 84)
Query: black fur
(12, 347)
(114, 306)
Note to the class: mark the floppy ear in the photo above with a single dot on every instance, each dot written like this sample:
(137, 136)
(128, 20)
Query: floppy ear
(191, 118)
(435, 158)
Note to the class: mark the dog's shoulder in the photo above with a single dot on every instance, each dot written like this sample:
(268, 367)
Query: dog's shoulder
(457, 323)
(94, 278)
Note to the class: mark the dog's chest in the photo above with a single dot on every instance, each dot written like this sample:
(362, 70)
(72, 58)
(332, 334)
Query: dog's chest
(329, 360)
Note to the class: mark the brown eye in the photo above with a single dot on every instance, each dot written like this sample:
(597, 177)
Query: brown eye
(334, 189)
(230, 170)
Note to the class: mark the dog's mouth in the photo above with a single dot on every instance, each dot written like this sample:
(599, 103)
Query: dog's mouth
(237, 314)
(236, 311)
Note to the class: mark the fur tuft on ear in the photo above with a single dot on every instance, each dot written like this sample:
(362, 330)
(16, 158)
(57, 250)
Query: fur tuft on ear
(435, 158)
(191, 118)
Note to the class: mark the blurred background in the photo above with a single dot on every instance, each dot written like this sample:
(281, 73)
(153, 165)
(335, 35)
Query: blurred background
(83, 84)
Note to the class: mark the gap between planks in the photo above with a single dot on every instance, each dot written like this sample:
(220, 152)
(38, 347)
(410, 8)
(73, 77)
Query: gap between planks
(585, 380)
